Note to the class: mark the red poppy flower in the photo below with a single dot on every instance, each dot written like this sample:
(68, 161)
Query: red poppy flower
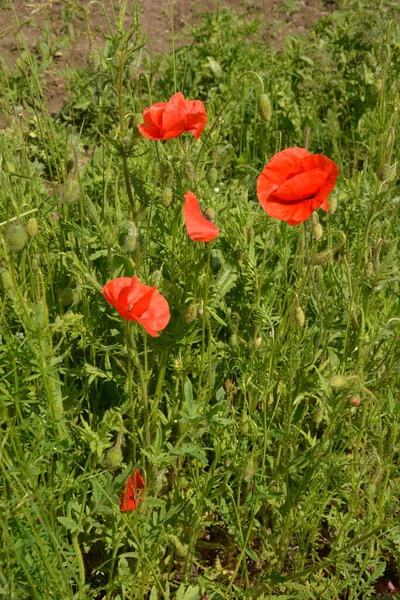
(130, 497)
(166, 120)
(198, 227)
(294, 183)
(136, 301)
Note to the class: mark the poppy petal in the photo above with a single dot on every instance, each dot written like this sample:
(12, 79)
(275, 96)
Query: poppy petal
(301, 186)
(157, 316)
(129, 499)
(198, 227)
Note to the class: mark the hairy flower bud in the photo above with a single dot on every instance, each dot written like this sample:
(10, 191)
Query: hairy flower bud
(264, 107)
(92, 60)
(67, 296)
(299, 316)
(70, 191)
(166, 197)
(212, 176)
(15, 237)
(258, 342)
(317, 232)
(32, 227)
(337, 382)
(188, 171)
(209, 213)
(190, 313)
(333, 204)
(6, 280)
(113, 458)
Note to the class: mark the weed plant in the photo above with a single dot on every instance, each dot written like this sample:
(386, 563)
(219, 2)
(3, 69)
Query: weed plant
(265, 417)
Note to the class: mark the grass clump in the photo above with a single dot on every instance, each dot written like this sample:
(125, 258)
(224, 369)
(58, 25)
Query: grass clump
(264, 418)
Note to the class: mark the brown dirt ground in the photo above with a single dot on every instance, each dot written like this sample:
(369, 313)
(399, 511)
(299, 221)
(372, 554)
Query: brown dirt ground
(49, 20)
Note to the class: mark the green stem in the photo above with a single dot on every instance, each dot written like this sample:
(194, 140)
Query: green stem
(142, 380)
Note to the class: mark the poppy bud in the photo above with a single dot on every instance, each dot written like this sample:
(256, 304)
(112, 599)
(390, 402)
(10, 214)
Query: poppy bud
(70, 191)
(190, 313)
(39, 316)
(15, 237)
(233, 340)
(209, 213)
(181, 549)
(264, 108)
(157, 278)
(317, 232)
(299, 316)
(113, 458)
(355, 401)
(130, 243)
(337, 382)
(92, 60)
(333, 204)
(35, 263)
(369, 270)
(314, 218)
(32, 227)
(6, 280)
(324, 257)
(387, 172)
(318, 416)
(258, 342)
(212, 176)
(250, 469)
(188, 171)
(67, 296)
(244, 425)
(166, 197)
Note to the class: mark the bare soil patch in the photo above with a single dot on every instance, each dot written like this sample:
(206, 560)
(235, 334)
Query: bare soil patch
(55, 24)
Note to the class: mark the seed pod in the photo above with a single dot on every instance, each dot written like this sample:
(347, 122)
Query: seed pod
(70, 191)
(92, 60)
(333, 204)
(67, 296)
(6, 280)
(337, 382)
(299, 316)
(264, 107)
(166, 197)
(317, 232)
(15, 237)
(209, 213)
(212, 176)
(188, 171)
(190, 313)
(32, 227)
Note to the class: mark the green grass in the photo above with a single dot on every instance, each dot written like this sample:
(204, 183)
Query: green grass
(263, 479)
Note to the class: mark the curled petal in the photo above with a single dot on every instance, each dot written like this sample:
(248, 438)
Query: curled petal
(198, 227)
